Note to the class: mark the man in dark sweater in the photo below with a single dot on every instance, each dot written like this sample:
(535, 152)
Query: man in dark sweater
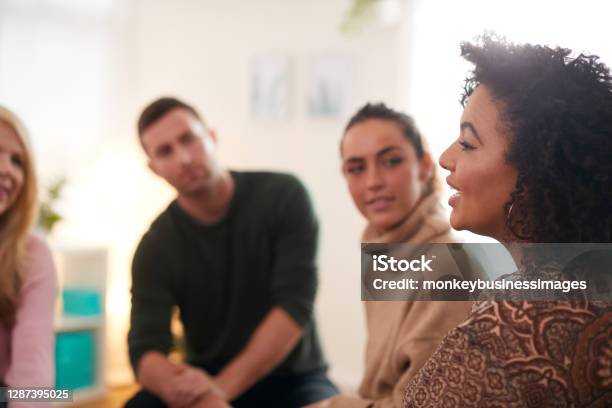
(235, 252)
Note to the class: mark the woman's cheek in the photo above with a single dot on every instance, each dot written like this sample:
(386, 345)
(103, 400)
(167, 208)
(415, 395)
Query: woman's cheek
(358, 198)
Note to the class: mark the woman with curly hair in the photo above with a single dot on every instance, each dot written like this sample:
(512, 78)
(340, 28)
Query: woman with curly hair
(27, 275)
(532, 164)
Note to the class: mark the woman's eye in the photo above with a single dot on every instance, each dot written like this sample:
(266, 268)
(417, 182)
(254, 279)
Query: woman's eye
(394, 161)
(16, 160)
(465, 145)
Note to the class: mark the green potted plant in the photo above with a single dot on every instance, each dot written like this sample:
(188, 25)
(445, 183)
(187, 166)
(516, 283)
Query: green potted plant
(357, 15)
(362, 12)
(48, 217)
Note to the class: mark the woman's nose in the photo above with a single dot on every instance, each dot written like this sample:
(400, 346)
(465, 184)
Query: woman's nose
(447, 159)
(5, 164)
(374, 178)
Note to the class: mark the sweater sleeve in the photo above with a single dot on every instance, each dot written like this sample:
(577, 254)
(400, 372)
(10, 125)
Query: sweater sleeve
(414, 355)
(294, 274)
(390, 366)
(32, 337)
(153, 298)
(423, 332)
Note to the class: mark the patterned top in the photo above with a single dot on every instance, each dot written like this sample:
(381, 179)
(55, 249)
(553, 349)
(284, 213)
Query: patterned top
(521, 354)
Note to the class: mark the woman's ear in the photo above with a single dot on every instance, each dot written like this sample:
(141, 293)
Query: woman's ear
(426, 167)
(213, 135)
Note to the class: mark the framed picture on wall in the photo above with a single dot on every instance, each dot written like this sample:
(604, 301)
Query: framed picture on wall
(271, 87)
(328, 79)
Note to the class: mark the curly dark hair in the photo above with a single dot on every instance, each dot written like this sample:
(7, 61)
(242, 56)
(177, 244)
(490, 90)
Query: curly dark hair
(558, 111)
(382, 111)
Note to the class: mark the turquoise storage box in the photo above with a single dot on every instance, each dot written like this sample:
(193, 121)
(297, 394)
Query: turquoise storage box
(75, 359)
(81, 302)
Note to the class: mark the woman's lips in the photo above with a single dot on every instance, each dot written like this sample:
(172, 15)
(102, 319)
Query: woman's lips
(454, 199)
(4, 194)
(380, 203)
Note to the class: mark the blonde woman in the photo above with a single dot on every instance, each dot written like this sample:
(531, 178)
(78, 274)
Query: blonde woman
(27, 274)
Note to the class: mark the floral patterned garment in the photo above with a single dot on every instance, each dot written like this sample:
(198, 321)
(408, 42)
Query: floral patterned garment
(521, 354)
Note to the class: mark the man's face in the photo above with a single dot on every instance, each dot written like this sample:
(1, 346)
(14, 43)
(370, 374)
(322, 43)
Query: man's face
(183, 152)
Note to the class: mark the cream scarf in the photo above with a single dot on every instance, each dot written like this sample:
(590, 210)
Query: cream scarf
(426, 221)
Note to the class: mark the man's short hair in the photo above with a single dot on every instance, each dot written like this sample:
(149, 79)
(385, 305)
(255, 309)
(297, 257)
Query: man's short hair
(160, 107)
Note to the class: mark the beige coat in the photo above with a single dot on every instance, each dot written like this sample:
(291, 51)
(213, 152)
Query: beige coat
(403, 335)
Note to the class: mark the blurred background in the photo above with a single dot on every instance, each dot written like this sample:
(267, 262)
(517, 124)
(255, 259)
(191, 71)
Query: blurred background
(277, 79)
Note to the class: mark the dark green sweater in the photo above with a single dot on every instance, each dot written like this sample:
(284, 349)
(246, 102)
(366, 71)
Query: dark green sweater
(226, 277)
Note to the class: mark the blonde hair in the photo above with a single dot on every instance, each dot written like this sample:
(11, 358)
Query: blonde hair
(15, 225)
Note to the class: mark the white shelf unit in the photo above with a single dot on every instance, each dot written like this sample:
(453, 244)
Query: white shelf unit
(84, 268)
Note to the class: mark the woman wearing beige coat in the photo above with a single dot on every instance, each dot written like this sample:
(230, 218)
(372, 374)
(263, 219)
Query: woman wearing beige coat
(391, 179)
